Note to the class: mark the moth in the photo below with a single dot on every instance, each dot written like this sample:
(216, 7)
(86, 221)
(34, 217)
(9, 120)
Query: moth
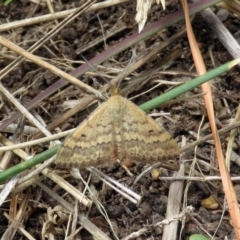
(117, 129)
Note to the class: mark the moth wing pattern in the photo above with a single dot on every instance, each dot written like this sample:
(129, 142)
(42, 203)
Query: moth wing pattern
(145, 140)
(117, 129)
(90, 143)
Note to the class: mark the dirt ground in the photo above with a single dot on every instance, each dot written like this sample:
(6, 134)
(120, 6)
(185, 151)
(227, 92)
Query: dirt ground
(43, 216)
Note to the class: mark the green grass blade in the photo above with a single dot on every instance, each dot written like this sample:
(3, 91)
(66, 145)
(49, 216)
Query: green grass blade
(187, 86)
(40, 158)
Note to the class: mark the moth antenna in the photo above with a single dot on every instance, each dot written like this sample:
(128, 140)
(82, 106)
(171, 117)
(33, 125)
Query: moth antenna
(112, 86)
(134, 56)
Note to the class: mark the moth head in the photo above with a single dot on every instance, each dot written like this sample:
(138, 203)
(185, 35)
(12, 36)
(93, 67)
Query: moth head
(115, 91)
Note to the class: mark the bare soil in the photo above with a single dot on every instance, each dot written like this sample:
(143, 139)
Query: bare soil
(64, 50)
